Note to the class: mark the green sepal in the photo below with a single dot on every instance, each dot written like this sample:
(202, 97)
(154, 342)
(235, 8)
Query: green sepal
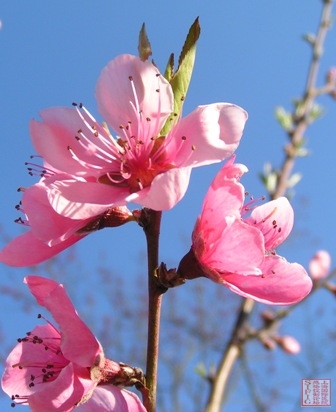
(169, 72)
(180, 79)
(144, 47)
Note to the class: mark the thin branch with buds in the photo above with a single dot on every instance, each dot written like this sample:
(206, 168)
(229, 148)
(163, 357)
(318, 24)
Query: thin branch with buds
(301, 118)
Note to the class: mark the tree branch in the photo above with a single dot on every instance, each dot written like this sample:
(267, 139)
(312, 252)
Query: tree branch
(301, 118)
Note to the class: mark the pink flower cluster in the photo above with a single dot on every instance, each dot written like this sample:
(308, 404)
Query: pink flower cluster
(87, 172)
(87, 179)
(234, 243)
(54, 369)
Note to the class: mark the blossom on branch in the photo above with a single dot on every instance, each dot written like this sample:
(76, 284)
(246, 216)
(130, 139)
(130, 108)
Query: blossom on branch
(234, 244)
(139, 165)
(57, 370)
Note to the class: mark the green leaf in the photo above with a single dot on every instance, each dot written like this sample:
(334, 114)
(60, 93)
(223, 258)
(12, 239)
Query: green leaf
(315, 112)
(201, 370)
(309, 38)
(284, 118)
(144, 46)
(294, 180)
(180, 80)
(269, 177)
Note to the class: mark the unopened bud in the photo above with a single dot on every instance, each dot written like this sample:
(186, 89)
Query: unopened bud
(289, 344)
(319, 266)
(268, 342)
(267, 316)
(331, 76)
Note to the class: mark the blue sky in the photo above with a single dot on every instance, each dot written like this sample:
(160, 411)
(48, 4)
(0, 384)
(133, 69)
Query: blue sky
(250, 53)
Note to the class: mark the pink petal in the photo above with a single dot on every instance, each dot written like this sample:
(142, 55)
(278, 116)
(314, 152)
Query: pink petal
(109, 398)
(214, 131)
(275, 219)
(62, 394)
(84, 200)
(51, 295)
(16, 380)
(57, 132)
(224, 198)
(47, 225)
(230, 173)
(282, 283)
(239, 249)
(27, 250)
(119, 104)
(166, 189)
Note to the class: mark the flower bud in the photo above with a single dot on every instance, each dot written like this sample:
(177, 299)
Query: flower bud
(269, 343)
(267, 316)
(289, 344)
(331, 76)
(319, 266)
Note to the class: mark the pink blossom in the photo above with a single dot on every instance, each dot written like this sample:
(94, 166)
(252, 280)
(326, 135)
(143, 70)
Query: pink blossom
(239, 251)
(50, 233)
(54, 370)
(319, 266)
(139, 165)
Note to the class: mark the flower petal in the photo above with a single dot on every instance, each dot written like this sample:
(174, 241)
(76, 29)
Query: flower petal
(62, 394)
(242, 252)
(130, 91)
(282, 283)
(213, 131)
(27, 250)
(56, 134)
(47, 225)
(52, 296)
(84, 200)
(109, 398)
(16, 380)
(225, 197)
(275, 219)
(166, 189)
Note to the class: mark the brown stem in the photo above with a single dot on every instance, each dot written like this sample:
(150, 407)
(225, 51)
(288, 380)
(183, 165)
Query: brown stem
(151, 223)
(229, 358)
(301, 118)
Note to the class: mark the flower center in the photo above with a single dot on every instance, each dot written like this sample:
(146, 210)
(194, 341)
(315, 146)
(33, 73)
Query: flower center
(139, 153)
(129, 161)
